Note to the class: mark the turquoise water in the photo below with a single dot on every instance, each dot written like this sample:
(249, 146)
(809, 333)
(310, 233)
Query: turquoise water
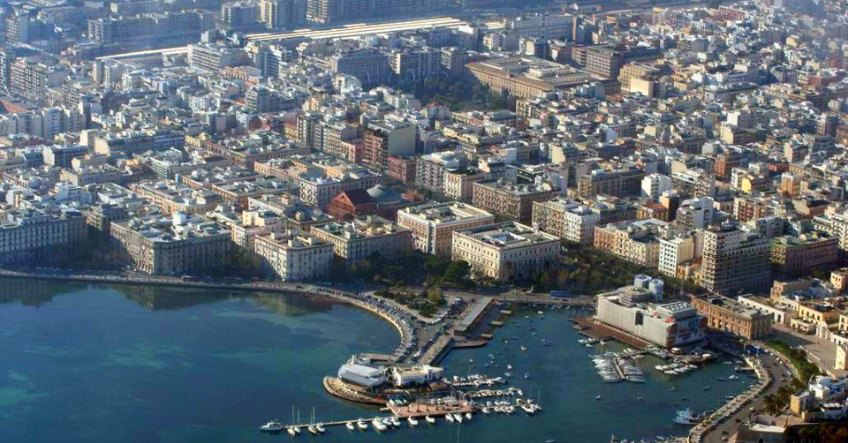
(87, 363)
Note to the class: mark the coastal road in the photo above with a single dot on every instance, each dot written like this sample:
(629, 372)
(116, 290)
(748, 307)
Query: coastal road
(777, 369)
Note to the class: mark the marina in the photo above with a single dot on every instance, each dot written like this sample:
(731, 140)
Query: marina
(160, 336)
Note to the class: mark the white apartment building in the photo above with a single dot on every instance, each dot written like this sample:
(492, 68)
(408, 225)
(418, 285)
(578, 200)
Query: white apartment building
(653, 185)
(676, 251)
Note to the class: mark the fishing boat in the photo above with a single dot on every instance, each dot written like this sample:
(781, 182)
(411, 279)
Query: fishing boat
(429, 419)
(350, 426)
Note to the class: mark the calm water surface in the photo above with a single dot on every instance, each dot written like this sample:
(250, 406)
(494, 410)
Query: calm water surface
(89, 363)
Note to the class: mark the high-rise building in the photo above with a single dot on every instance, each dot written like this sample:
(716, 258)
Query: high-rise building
(734, 260)
(276, 14)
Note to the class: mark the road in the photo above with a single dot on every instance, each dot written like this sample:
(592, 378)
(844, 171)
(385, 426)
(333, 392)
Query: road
(777, 369)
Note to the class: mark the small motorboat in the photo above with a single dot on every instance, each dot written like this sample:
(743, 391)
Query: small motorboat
(291, 431)
(412, 421)
(320, 428)
(598, 397)
(457, 417)
(468, 416)
(430, 420)
(361, 425)
(272, 426)
(350, 426)
(395, 421)
(449, 417)
(312, 430)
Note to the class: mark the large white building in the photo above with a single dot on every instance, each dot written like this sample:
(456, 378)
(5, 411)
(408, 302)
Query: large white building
(294, 256)
(634, 309)
(433, 224)
(676, 251)
(505, 251)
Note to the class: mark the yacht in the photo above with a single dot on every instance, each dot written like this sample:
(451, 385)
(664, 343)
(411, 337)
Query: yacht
(350, 426)
(429, 419)
(378, 425)
(271, 426)
(412, 421)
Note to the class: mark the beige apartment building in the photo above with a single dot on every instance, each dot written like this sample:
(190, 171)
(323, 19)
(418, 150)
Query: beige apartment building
(433, 224)
(510, 199)
(177, 245)
(505, 251)
(173, 197)
(294, 256)
(359, 238)
(634, 241)
(566, 219)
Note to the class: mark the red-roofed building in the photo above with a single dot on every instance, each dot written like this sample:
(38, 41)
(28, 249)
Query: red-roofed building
(350, 204)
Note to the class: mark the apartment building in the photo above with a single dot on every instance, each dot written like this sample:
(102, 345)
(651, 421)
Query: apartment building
(173, 197)
(509, 199)
(357, 239)
(31, 236)
(634, 241)
(734, 260)
(566, 219)
(294, 256)
(796, 255)
(433, 224)
(175, 245)
(505, 251)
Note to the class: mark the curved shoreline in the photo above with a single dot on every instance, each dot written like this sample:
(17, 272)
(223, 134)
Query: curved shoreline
(275, 287)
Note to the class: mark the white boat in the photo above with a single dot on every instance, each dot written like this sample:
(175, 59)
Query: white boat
(296, 430)
(685, 417)
(449, 418)
(350, 426)
(524, 348)
(429, 419)
(320, 428)
(528, 409)
(271, 426)
(412, 421)
(457, 417)
(598, 397)
(395, 421)
(508, 367)
(312, 430)
(486, 410)
(378, 425)
(361, 425)
(291, 431)
(468, 416)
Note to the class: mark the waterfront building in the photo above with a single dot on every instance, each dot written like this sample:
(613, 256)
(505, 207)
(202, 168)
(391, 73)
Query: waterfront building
(294, 256)
(32, 236)
(361, 237)
(505, 251)
(635, 310)
(433, 224)
(728, 315)
(177, 245)
(415, 375)
(566, 219)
